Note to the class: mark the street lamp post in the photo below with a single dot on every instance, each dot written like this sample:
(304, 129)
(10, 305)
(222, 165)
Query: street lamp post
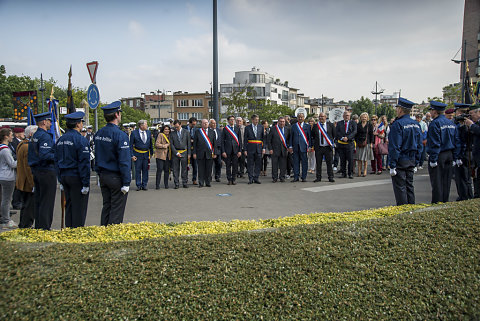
(376, 93)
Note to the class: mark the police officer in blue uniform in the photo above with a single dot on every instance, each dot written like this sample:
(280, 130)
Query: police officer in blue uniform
(113, 165)
(142, 149)
(41, 160)
(443, 149)
(473, 124)
(405, 142)
(72, 160)
(463, 179)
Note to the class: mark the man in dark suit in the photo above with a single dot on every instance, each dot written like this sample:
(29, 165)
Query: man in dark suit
(180, 145)
(345, 134)
(277, 143)
(323, 138)
(204, 152)
(253, 141)
(239, 123)
(217, 162)
(142, 149)
(299, 145)
(192, 128)
(231, 144)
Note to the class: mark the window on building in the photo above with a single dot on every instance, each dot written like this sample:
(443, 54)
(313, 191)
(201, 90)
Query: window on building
(198, 116)
(273, 90)
(254, 78)
(182, 116)
(130, 103)
(284, 103)
(197, 102)
(226, 90)
(279, 96)
(182, 103)
(293, 96)
(138, 102)
(260, 91)
(284, 95)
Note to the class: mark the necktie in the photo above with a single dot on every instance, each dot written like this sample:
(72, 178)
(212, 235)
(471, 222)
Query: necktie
(323, 139)
(179, 134)
(346, 127)
(254, 130)
(144, 137)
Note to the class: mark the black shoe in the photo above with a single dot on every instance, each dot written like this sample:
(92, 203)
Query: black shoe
(176, 186)
(157, 187)
(208, 185)
(282, 180)
(303, 180)
(185, 186)
(139, 189)
(166, 187)
(217, 180)
(145, 189)
(250, 181)
(241, 176)
(274, 180)
(331, 180)
(350, 176)
(317, 180)
(257, 181)
(234, 182)
(200, 185)
(295, 180)
(344, 176)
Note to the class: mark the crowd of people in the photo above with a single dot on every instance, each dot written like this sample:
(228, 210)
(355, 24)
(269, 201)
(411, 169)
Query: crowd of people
(31, 163)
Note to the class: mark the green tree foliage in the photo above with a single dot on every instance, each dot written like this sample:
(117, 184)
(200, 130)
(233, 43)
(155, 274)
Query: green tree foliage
(366, 105)
(9, 84)
(452, 94)
(237, 101)
(268, 111)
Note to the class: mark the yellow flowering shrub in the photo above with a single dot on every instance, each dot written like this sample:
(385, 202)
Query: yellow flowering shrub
(148, 230)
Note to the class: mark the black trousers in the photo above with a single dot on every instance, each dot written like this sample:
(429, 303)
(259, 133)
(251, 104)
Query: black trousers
(441, 177)
(162, 166)
(254, 164)
(336, 158)
(17, 199)
(76, 203)
(279, 162)
(176, 163)
(45, 189)
(193, 164)
(217, 162)
(265, 162)
(114, 201)
(403, 182)
(463, 181)
(289, 163)
(27, 213)
(231, 164)
(204, 171)
(320, 152)
(241, 164)
(345, 152)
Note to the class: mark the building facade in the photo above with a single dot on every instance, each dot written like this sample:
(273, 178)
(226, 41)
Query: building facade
(134, 102)
(471, 35)
(159, 106)
(188, 105)
(390, 100)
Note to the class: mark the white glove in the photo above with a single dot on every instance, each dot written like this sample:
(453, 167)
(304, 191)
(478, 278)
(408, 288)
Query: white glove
(433, 165)
(454, 163)
(33, 189)
(459, 162)
(415, 170)
(125, 189)
(85, 190)
(393, 172)
(61, 187)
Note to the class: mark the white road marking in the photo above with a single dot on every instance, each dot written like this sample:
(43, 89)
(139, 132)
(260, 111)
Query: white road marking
(345, 186)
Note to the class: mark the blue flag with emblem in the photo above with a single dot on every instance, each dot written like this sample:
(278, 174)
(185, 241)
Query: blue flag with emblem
(55, 128)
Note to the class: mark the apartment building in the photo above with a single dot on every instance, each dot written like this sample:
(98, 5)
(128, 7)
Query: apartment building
(188, 105)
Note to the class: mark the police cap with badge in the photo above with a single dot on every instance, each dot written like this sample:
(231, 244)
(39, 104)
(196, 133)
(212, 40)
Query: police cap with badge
(43, 116)
(75, 117)
(112, 108)
(405, 103)
(436, 105)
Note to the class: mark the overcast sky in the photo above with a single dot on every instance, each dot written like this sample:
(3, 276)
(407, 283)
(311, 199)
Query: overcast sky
(337, 48)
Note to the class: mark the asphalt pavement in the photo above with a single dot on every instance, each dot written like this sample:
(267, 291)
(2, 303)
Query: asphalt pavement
(242, 201)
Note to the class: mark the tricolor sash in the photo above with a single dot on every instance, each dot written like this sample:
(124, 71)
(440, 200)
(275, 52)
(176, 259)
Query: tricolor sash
(207, 140)
(324, 134)
(3, 146)
(303, 133)
(233, 134)
(282, 136)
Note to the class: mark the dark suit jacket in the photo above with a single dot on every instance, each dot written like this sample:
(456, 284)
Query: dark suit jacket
(296, 138)
(218, 140)
(229, 144)
(200, 146)
(274, 142)
(350, 134)
(180, 144)
(317, 136)
(249, 135)
(136, 142)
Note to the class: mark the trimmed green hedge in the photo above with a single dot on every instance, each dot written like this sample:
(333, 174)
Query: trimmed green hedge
(423, 265)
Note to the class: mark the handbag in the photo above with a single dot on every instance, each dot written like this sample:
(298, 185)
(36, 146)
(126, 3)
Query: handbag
(362, 144)
(382, 148)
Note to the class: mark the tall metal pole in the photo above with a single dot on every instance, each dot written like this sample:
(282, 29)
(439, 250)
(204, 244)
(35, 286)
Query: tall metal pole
(464, 68)
(42, 89)
(215, 63)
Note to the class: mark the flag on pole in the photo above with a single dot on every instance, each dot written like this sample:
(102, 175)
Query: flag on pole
(468, 87)
(30, 118)
(55, 128)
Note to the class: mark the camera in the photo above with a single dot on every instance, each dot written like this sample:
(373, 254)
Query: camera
(461, 117)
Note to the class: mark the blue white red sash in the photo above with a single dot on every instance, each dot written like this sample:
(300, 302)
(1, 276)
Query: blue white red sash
(324, 134)
(303, 133)
(282, 136)
(3, 146)
(233, 134)
(207, 140)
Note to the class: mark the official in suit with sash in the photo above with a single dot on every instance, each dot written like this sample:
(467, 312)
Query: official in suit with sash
(345, 135)
(253, 148)
(180, 145)
(277, 143)
(323, 138)
(142, 149)
(231, 144)
(204, 152)
(299, 145)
